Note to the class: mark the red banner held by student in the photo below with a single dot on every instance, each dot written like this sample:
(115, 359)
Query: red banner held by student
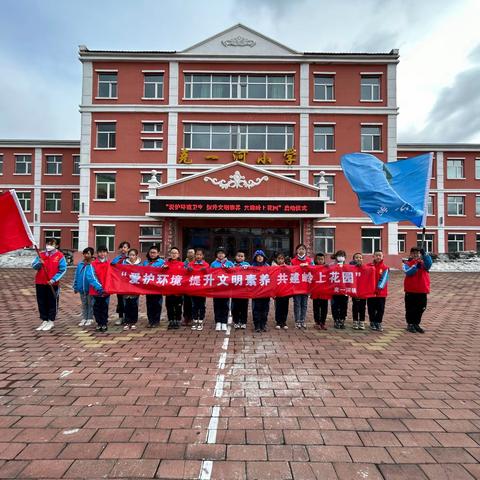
(250, 282)
(13, 224)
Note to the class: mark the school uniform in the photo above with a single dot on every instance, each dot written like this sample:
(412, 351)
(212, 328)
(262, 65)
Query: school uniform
(96, 277)
(260, 306)
(174, 302)
(80, 285)
(198, 303)
(359, 306)
(339, 307)
(154, 302)
(221, 306)
(130, 314)
(300, 302)
(416, 286)
(240, 305)
(120, 303)
(376, 304)
(187, 303)
(48, 297)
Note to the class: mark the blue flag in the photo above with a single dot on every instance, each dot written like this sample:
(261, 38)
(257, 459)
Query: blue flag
(393, 191)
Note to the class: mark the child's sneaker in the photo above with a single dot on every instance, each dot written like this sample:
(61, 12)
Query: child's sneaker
(336, 324)
(126, 327)
(342, 324)
(236, 326)
(278, 327)
(119, 321)
(82, 323)
(379, 327)
(355, 325)
(285, 327)
(243, 326)
(224, 327)
(297, 325)
(48, 326)
(41, 326)
(303, 325)
(323, 326)
(373, 326)
(104, 328)
(218, 326)
(361, 325)
(194, 325)
(200, 325)
(133, 327)
(88, 322)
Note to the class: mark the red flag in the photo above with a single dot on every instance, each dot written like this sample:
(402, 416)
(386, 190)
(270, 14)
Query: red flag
(13, 224)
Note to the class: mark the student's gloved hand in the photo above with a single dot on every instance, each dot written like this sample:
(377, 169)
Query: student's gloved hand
(203, 269)
(51, 281)
(189, 269)
(165, 266)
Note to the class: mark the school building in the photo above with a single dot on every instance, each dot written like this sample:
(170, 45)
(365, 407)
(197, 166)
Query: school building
(235, 141)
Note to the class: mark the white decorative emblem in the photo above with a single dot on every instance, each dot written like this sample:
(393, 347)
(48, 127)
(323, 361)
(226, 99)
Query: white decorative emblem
(237, 180)
(239, 42)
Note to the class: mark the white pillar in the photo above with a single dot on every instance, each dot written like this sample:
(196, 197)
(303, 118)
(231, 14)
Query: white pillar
(304, 122)
(440, 203)
(37, 195)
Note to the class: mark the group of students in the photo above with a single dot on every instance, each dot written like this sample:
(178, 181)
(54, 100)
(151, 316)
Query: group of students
(190, 310)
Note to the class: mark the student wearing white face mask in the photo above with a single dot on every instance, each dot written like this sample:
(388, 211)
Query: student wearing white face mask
(51, 267)
(339, 303)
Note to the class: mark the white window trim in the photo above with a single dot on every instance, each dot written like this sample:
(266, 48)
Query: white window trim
(105, 121)
(106, 70)
(153, 71)
(372, 101)
(140, 200)
(106, 98)
(372, 124)
(371, 73)
(252, 72)
(156, 99)
(234, 122)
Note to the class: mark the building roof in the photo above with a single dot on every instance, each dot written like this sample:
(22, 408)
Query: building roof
(40, 143)
(439, 146)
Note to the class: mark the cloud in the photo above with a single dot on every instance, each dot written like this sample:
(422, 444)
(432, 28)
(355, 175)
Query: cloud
(454, 116)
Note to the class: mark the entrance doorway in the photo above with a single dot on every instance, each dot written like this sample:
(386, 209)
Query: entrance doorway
(270, 240)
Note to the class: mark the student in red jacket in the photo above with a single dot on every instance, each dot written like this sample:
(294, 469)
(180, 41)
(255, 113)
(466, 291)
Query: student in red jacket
(51, 267)
(376, 304)
(359, 304)
(174, 303)
(416, 286)
(198, 303)
(300, 302)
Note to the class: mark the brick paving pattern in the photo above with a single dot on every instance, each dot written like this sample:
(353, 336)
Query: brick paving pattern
(292, 405)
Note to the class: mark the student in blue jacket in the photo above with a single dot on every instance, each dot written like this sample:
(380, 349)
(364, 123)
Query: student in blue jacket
(221, 305)
(154, 302)
(81, 286)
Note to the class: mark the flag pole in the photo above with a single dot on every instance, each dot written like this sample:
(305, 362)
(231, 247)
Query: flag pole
(423, 238)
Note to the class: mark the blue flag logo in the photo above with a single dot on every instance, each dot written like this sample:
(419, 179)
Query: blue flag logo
(393, 191)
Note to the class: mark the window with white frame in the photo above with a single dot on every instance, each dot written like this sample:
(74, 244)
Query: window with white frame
(152, 127)
(75, 202)
(25, 199)
(145, 177)
(324, 137)
(261, 137)
(324, 87)
(76, 165)
(56, 234)
(429, 242)
(370, 88)
(23, 164)
(477, 206)
(106, 135)
(371, 240)
(456, 242)
(232, 86)
(105, 186)
(54, 164)
(371, 138)
(430, 205)
(456, 205)
(152, 143)
(330, 179)
(402, 242)
(1, 163)
(477, 168)
(153, 85)
(324, 240)
(455, 169)
(74, 236)
(107, 85)
(53, 201)
(105, 237)
(143, 195)
(149, 236)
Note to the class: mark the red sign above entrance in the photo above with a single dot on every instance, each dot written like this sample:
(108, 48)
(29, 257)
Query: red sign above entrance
(229, 207)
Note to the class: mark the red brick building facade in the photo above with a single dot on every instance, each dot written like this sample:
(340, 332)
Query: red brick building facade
(241, 131)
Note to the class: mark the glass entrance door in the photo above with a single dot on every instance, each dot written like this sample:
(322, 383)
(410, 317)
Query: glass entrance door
(271, 240)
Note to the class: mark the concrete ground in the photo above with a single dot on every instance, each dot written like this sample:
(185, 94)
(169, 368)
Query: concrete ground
(209, 405)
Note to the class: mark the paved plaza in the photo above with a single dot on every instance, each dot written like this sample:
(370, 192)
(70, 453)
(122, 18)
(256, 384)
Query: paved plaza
(209, 405)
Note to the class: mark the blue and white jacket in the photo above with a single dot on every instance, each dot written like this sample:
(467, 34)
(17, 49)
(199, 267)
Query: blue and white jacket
(159, 262)
(225, 263)
(80, 282)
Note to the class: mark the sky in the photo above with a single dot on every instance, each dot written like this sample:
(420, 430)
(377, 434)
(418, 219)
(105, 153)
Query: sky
(438, 75)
